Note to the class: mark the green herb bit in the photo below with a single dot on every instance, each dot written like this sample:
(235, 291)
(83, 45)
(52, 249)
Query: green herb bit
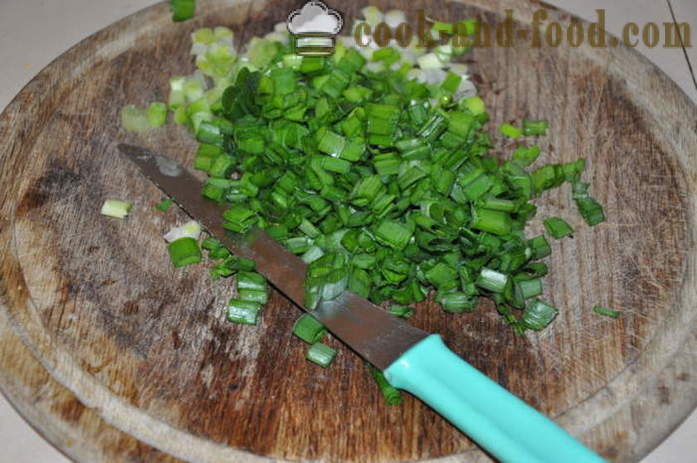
(182, 9)
(157, 114)
(184, 251)
(492, 280)
(321, 354)
(115, 208)
(558, 227)
(210, 244)
(538, 315)
(251, 280)
(309, 329)
(391, 394)
(535, 127)
(588, 207)
(475, 105)
(164, 205)
(402, 311)
(605, 311)
(511, 131)
(244, 312)
(540, 247)
(457, 302)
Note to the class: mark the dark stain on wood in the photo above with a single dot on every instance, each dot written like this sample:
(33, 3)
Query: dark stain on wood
(663, 394)
(71, 410)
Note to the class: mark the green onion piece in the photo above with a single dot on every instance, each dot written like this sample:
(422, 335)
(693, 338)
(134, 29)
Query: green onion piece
(321, 354)
(511, 131)
(184, 251)
(210, 244)
(164, 205)
(457, 302)
(391, 395)
(605, 311)
(538, 315)
(442, 276)
(393, 234)
(182, 9)
(526, 155)
(244, 312)
(134, 119)
(529, 288)
(251, 280)
(309, 329)
(190, 229)
(157, 114)
(401, 310)
(239, 264)
(492, 280)
(475, 105)
(588, 207)
(535, 127)
(115, 208)
(557, 227)
(496, 222)
(540, 247)
(261, 297)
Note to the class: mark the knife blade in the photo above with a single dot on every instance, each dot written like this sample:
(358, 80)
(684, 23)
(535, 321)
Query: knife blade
(410, 358)
(374, 334)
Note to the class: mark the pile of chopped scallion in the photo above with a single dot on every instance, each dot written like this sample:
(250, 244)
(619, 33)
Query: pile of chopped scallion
(373, 165)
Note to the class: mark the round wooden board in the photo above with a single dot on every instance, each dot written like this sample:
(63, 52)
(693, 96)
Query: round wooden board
(114, 356)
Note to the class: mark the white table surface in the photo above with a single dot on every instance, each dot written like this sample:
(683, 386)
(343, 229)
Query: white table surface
(33, 32)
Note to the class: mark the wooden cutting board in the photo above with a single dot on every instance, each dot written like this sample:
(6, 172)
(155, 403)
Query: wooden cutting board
(114, 356)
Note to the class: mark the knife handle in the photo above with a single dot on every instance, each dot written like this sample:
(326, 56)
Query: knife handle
(497, 420)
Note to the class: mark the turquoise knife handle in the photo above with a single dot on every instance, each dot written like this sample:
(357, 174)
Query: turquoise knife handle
(498, 421)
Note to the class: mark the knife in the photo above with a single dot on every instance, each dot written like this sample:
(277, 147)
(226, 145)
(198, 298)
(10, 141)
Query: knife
(410, 358)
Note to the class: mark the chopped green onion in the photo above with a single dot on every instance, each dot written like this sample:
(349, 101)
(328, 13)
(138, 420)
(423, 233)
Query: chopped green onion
(393, 234)
(309, 329)
(588, 207)
(115, 208)
(457, 302)
(557, 227)
(540, 247)
(475, 105)
(401, 311)
(134, 119)
(321, 354)
(529, 288)
(244, 312)
(511, 131)
(251, 280)
(492, 280)
(605, 311)
(377, 174)
(157, 114)
(391, 395)
(191, 229)
(538, 315)
(496, 222)
(184, 251)
(164, 205)
(535, 127)
(182, 9)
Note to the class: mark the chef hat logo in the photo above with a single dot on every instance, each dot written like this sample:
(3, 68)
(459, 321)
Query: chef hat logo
(315, 18)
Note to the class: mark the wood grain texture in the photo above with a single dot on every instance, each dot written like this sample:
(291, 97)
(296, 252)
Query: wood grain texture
(116, 357)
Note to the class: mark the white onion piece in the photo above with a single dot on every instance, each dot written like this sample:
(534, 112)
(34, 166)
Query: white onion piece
(429, 61)
(191, 229)
(394, 18)
(372, 15)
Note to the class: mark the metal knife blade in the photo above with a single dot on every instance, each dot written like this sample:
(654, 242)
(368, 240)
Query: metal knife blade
(373, 333)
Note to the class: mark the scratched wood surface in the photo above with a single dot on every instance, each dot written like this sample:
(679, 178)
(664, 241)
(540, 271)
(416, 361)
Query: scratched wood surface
(114, 356)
